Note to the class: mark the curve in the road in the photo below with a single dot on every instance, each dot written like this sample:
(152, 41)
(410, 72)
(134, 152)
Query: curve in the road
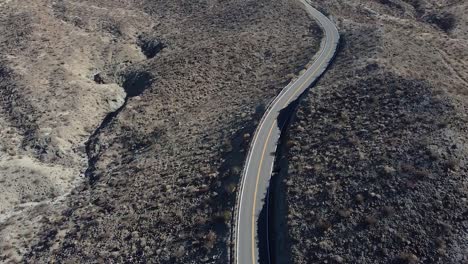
(259, 164)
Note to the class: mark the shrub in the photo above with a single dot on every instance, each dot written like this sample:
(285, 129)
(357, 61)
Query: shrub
(230, 188)
(452, 164)
(224, 216)
(359, 198)
(370, 220)
(345, 213)
(445, 21)
(388, 210)
(324, 225)
(210, 239)
(407, 258)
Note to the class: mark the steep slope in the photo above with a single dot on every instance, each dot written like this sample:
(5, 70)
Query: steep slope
(151, 101)
(378, 150)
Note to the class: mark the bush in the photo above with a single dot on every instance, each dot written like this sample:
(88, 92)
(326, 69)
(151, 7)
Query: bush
(445, 21)
(407, 258)
(210, 239)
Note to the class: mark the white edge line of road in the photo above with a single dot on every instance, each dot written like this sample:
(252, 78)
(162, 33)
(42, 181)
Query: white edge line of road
(272, 104)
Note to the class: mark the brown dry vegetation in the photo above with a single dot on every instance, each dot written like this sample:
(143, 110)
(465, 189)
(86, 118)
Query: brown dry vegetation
(378, 150)
(162, 168)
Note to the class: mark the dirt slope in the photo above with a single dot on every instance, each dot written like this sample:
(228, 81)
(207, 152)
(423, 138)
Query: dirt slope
(142, 110)
(378, 150)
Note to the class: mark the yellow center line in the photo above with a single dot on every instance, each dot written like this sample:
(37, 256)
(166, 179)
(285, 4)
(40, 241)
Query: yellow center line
(255, 193)
(308, 79)
(263, 156)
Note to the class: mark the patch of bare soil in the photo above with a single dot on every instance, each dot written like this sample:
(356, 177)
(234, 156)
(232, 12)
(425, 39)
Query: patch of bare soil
(152, 102)
(378, 150)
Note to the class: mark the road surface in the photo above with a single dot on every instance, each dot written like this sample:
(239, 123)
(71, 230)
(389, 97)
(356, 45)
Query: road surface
(260, 159)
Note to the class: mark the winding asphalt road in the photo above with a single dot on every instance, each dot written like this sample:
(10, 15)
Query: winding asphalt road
(260, 159)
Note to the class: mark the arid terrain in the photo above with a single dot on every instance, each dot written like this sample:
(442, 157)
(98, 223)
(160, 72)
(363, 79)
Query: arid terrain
(124, 127)
(378, 150)
(124, 123)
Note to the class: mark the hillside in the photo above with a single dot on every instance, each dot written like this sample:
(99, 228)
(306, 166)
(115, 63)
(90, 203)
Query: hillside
(124, 123)
(378, 151)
